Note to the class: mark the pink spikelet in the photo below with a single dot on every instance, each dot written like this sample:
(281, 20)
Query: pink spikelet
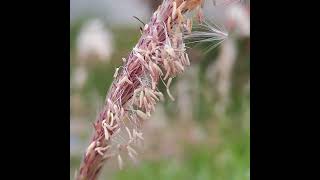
(159, 54)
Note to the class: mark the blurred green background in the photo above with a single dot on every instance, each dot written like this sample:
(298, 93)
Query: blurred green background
(204, 134)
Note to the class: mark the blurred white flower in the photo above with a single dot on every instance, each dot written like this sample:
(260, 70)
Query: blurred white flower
(239, 18)
(221, 71)
(159, 119)
(80, 77)
(186, 93)
(95, 41)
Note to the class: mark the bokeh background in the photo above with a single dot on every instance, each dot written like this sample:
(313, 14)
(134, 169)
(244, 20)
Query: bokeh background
(205, 133)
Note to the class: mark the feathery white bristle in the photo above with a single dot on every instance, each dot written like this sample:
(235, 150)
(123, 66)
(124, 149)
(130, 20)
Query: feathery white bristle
(207, 31)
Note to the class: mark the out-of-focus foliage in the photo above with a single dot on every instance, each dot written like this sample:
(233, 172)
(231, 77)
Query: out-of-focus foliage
(228, 159)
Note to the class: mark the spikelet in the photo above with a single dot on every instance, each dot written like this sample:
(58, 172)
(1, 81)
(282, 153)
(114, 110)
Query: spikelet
(160, 54)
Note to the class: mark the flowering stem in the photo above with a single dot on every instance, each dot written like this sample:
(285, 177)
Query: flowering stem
(160, 52)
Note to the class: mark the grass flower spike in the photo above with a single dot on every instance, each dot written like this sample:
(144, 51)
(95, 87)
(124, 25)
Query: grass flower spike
(159, 55)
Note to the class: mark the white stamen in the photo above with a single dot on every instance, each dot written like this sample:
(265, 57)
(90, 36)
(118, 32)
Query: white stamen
(132, 150)
(169, 82)
(171, 97)
(179, 65)
(116, 73)
(108, 114)
(146, 27)
(174, 9)
(90, 147)
(139, 135)
(169, 24)
(140, 57)
(111, 115)
(153, 95)
(145, 102)
(125, 79)
(106, 133)
(141, 99)
(182, 5)
(128, 131)
(170, 51)
(100, 149)
(187, 58)
(160, 95)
